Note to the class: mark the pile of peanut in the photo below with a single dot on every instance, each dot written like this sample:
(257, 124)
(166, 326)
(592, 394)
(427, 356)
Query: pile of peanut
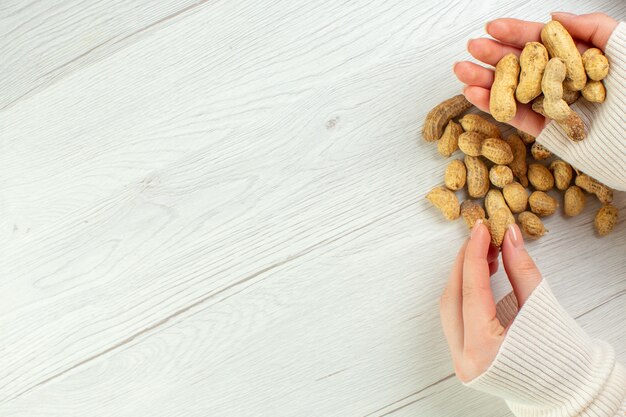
(512, 175)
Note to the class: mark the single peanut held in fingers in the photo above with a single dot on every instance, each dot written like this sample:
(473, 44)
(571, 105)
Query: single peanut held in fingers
(500, 175)
(573, 201)
(516, 197)
(498, 224)
(593, 186)
(553, 104)
(494, 200)
(596, 64)
(562, 173)
(438, 118)
(560, 44)
(471, 212)
(606, 219)
(533, 62)
(540, 177)
(455, 175)
(478, 124)
(532, 227)
(539, 152)
(477, 177)
(518, 165)
(470, 142)
(446, 201)
(542, 204)
(502, 105)
(594, 92)
(497, 151)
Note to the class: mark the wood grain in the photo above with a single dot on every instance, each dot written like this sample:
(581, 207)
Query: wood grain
(226, 217)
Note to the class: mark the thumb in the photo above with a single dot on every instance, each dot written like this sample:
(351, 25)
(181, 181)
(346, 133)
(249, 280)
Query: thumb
(519, 266)
(594, 28)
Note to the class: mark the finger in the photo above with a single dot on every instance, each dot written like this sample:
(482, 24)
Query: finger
(515, 32)
(450, 306)
(594, 28)
(493, 253)
(519, 266)
(472, 74)
(479, 308)
(493, 267)
(490, 51)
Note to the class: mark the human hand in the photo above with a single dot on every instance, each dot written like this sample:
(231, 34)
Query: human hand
(510, 35)
(467, 306)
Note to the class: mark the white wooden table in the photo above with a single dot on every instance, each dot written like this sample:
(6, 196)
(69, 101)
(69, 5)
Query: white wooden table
(213, 208)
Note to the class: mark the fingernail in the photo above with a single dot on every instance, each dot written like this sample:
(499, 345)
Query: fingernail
(476, 228)
(562, 14)
(514, 236)
(487, 26)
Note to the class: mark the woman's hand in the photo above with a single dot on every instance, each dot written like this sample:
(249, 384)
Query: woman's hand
(467, 307)
(510, 35)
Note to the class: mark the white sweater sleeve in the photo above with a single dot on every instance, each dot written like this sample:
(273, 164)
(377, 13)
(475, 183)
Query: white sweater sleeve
(548, 366)
(602, 154)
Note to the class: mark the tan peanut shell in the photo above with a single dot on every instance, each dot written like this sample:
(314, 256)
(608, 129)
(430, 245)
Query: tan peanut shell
(531, 225)
(455, 175)
(573, 201)
(553, 104)
(539, 152)
(498, 223)
(593, 186)
(594, 92)
(494, 200)
(518, 165)
(446, 201)
(527, 138)
(500, 175)
(502, 105)
(606, 219)
(542, 204)
(516, 197)
(469, 143)
(540, 177)
(477, 176)
(562, 173)
(596, 64)
(438, 118)
(471, 212)
(560, 44)
(570, 96)
(449, 141)
(497, 151)
(533, 62)
(478, 124)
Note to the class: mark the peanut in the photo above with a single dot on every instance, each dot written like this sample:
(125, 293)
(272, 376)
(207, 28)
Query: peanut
(438, 118)
(594, 92)
(539, 152)
(475, 123)
(560, 45)
(542, 204)
(553, 104)
(446, 201)
(477, 177)
(471, 212)
(500, 175)
(470, 142)
(573, 201)
(455, 175)
(502, 105)
(604, 193)
(595, 63)
(606, 219)
(449, 141)
(562, 172)
(518, 165)
(531, 225)
(570, 96)
(516, 197)
(533, 62)
(498, 224)
(497, 151)
(493, 201)
(527, 138)
(540, 177)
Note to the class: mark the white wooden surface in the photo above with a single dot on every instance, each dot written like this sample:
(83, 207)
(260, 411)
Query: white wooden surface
(216, 208)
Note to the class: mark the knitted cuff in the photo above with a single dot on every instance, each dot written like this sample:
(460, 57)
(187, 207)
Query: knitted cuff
(547, 365)
(602, 154)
